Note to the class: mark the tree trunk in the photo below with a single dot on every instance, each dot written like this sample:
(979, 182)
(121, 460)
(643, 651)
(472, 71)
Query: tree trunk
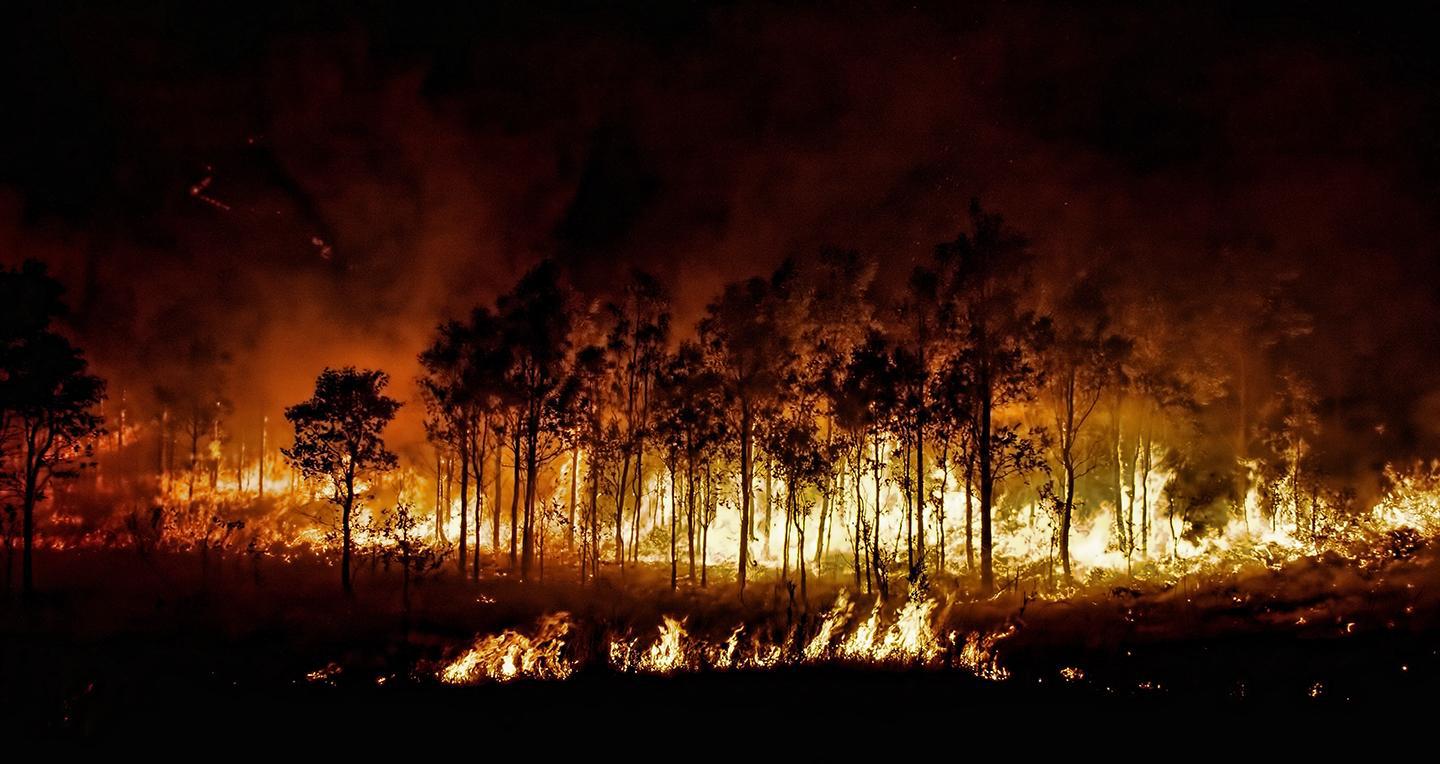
(690, 510)
(1066, 510)
(574, 480)
(477, 465)
(639, 485)
(27, 563)
(532, 435)
(515, 498)
(746, 467)
(769, 499)
(1145, 497)
(987, 494)
(785, 551)
(464, 445)
(940, 508)
(875, 561)
(620, 489)
(439, 496)
(969, 510)
(674, 525)
(495, 510)
(858, 546)
(920, 494)
(347, 505)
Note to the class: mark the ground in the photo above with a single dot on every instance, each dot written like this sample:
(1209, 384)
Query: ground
(117, 644)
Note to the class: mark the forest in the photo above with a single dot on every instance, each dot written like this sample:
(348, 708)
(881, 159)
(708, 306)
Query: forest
(494, 367)
(853, 461)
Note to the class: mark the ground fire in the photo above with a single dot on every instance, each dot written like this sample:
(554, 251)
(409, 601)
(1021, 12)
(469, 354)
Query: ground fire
(400, 379)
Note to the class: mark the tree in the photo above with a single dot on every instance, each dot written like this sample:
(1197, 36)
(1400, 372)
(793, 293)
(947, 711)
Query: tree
(983, 277)
(1082, 359)
(191, 387)
(690, 419)
(743, 333)
(47, 397)
(581, 426)
(416, 556)
(639, 331)
(536, 320)
(461, 385)
(339, 440)
(863, 403)
(839, 311)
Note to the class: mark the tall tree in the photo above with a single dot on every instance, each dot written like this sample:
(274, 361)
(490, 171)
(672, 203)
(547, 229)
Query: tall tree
(1083, 359)
(339, 440)
(984, 275)
(461, 385)
(744, 334)
(48, 397)
(639, 331)
(537, 317)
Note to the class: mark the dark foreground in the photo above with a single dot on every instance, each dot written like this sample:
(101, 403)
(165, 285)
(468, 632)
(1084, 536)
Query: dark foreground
(130, 659)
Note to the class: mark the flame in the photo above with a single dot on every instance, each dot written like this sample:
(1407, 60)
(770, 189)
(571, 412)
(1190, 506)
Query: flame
(512, 655)
(907, 638)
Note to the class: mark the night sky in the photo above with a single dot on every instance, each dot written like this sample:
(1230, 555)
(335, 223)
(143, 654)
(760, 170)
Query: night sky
(297, 186)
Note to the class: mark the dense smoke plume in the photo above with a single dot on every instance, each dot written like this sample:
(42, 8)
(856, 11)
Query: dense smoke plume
(298, 188)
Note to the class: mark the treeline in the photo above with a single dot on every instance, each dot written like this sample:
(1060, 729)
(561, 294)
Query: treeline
(896, 424)
(829, 392)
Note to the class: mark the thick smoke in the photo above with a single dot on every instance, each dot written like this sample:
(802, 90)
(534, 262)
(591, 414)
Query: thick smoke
(323, 187)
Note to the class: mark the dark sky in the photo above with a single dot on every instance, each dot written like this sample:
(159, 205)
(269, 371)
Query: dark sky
(308, 184)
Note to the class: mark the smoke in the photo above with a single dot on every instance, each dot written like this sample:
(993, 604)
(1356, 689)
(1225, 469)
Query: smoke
(323, 187)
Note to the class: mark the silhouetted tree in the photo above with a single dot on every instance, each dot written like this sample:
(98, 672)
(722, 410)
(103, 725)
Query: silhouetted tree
(536, 319)
(339, 440)
(1083, 358)
(639, 328)
(47, 397)
(744, 334)
(461, 385)
(983, 278)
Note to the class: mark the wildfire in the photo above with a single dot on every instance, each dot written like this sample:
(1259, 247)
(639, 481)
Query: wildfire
(908, 638)
(512, 655)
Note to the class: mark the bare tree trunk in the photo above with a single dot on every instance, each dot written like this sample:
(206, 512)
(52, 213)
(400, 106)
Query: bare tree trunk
(495, 510)
(875, 561)
(439, 495)
(477, 466)
(690, 510)
(27, 531)
(346, 507)
(920, 493)
(639, 484)
(785, 551)
(1145, 466)
(532, 436)
(746, 467)
(620, 489)
(1067, 508)
(940, 507)
(464, 445)
(673, 526)
(574, 478)
(769, 499)
(705, 527)
(969, 510)
(857, 545)
(987, 494)
(592, 546)
(515, 498)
